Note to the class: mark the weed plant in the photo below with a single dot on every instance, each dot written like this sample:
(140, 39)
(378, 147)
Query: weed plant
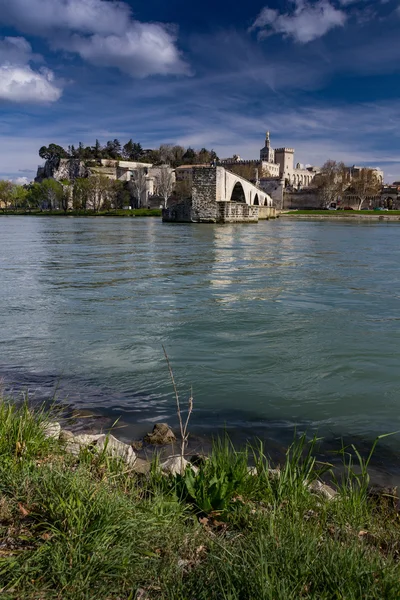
(83, 528)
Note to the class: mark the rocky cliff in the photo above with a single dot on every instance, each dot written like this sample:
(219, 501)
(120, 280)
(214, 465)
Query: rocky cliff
(61, 169)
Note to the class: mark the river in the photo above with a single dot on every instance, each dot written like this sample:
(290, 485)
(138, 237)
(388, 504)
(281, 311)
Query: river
(276, 326)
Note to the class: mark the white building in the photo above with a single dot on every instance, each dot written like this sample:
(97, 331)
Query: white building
(280, 163)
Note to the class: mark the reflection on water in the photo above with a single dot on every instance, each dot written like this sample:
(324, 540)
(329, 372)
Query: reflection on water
(275, 325)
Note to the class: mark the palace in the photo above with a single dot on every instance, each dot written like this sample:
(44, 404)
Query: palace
(277, 163)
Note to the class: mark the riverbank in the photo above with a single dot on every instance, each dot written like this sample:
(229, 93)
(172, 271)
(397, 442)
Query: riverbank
(138, 212)
(393, 215)
(86, 525)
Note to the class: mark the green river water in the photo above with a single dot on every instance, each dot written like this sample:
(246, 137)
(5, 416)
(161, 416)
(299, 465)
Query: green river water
(276, 326)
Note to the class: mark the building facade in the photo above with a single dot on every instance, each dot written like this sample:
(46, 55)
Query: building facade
(278, 164)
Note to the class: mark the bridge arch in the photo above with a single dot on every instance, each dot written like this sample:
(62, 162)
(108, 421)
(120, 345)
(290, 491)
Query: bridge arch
(238, 194)
(256, 201)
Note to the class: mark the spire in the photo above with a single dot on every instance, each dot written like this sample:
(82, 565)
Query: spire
(267, 139)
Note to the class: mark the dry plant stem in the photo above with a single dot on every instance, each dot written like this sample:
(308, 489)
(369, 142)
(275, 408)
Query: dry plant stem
(183, 428)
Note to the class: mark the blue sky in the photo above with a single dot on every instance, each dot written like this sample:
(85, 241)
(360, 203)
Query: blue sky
(322, 75)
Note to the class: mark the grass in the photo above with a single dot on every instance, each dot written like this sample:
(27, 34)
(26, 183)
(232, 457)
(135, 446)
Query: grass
(344, 213)
(75, 528)
(137, 212)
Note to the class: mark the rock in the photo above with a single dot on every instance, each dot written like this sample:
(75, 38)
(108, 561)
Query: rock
(65, 435)
(175, 465)
(137, 445)
(272, 473)
(84, 440)
(52, 430)
(161, 435)
(199, 460)
(116, 449)
(322, 489)
(141, 466)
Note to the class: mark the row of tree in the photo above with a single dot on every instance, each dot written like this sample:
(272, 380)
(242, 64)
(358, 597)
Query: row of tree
(93, 193)
(336, 182)
(173, 155)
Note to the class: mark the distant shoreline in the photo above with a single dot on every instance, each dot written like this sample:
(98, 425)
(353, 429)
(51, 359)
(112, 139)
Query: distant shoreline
(342, 215)
(138, 212)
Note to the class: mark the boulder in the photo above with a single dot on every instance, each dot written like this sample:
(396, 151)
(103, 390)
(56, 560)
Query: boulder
(52, 430)
(175, 465)
(116, 449)
(84, 440)
(161, 435)
(322, 489)
(141, 466)
(65, 435)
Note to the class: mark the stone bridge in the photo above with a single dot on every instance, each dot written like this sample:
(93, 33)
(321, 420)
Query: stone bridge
(220, 196)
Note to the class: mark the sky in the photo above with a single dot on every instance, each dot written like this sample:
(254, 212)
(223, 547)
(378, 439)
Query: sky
(322, 75)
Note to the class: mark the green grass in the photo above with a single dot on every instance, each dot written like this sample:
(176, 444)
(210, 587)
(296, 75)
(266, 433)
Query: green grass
(344, 213)
(138, 212)
(75, 528)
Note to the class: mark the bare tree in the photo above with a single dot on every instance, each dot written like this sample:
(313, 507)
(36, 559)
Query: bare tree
(248, 171)
(165, 183)
(365, 185)
(139, 183)
(331, 182)
(97, 193)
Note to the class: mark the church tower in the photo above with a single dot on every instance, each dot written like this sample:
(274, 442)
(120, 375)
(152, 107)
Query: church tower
(267, 154)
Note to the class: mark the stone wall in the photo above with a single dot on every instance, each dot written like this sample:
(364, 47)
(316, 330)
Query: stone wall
(237, 212)
(266, 212)
(301, 200)
(274, 187)
(178, 213)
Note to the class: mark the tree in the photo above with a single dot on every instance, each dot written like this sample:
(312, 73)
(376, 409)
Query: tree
(189, 157)
(65, 197)
(97, 150)
(139, 185)
(248, 171)
(122, 196)
(53, 152)
(331, 182)
(366, 185)
(34, 197)
(19, 195)
(154, 157)
(5, 194)
(52, 193)
(98, 190)
(177, 153)
(80, 194)
(165, 183)
(204, 157)
(132, 151)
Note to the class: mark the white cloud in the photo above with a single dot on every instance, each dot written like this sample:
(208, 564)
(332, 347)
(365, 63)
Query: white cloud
(101, 32)
(18, 81)
(305, 23)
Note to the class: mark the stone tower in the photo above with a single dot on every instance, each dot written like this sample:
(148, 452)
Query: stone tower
(267, 153)
(285, 159)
